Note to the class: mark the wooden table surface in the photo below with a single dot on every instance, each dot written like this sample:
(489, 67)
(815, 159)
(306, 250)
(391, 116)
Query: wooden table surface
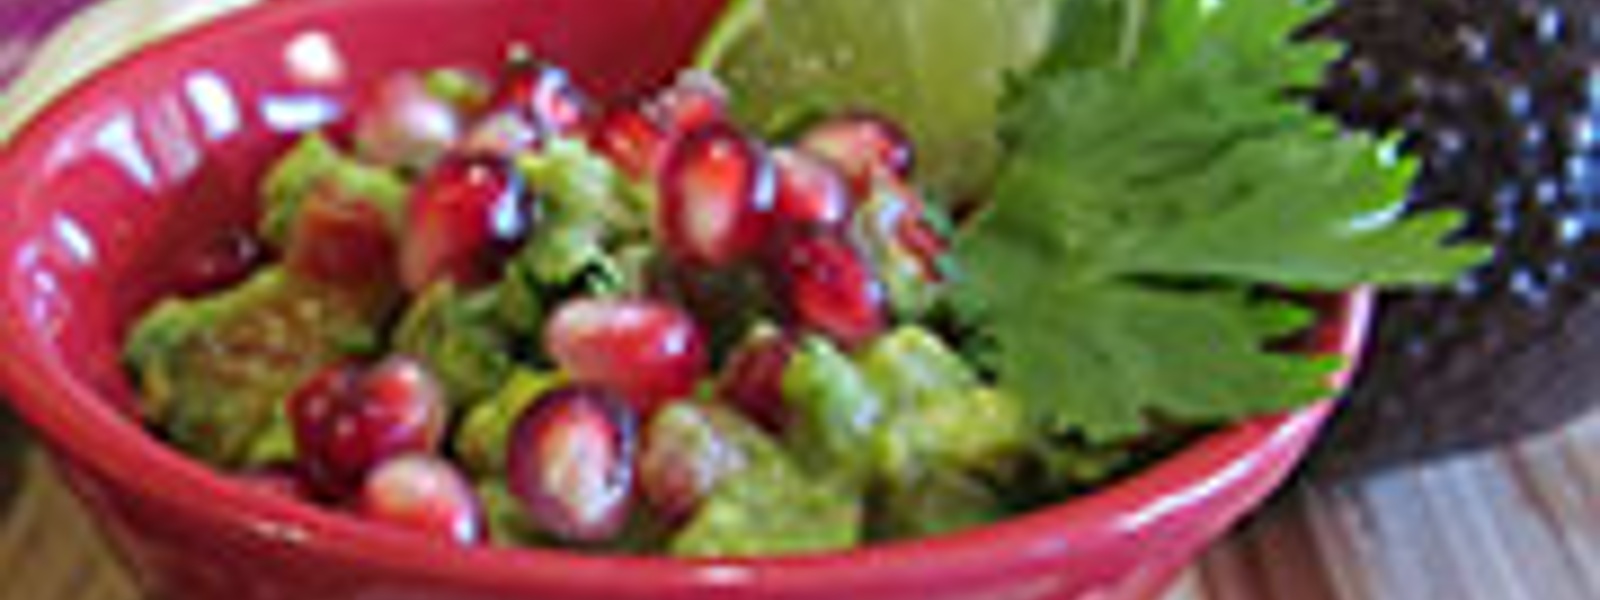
(1519, 524)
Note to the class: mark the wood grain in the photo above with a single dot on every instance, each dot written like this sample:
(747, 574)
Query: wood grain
(1522, 523)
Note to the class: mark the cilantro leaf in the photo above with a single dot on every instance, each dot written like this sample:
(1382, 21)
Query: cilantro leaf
(1101, 358)
(1148, 192)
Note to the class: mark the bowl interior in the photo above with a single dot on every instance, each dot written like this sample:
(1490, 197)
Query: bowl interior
(111, 198)
(147, 176)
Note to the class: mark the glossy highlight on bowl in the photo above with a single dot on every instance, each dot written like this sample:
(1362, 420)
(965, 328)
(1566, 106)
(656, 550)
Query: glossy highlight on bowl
(108, 195)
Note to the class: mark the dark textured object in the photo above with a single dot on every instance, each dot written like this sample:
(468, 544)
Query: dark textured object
(12, 452)
(1501, 101)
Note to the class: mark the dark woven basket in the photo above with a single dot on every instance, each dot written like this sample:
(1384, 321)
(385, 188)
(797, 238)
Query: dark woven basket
(11, 456)
(1501, 101)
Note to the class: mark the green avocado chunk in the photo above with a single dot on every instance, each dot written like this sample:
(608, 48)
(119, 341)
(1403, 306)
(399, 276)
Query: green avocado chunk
(459, 336)
(838, 416)
(941, 416)
(215, 371)
(773, 510)
(767, 505)
(934, 503)
(314, 164)
(586, 207)
(906, 404)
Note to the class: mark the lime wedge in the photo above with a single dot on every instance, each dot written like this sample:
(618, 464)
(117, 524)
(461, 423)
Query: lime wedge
(938, 67)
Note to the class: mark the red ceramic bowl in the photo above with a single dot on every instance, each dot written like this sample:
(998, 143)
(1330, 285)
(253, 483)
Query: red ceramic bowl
(112, 194)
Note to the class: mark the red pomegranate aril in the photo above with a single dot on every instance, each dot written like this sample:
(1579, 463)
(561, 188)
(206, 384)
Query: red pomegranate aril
(829, 287)
(404, 125)
(571, 463)
(717, 188)
(543, 94)
(631, 140)
(342, 241)
(860, 145)
(811, 193)
(694, 101)
(685, 456)
(313, 411)
(752, 379)
(404, 396)
(463, 221)
(348, 419)
(650, 352)
(424, 494)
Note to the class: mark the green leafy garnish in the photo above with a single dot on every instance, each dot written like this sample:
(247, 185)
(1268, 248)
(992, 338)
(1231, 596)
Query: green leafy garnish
(1151, 190)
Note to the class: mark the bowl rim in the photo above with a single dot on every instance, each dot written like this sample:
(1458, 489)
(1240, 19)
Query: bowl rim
(73, 421)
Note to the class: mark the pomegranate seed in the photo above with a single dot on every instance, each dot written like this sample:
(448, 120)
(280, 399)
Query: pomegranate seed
(829, 287)
(686, 454)
(717, 189)
(752, 379)
(348, 419)
(631, 140)
(341, 240)
(313, 409)
(425, 494)
(545, 95)
(811, 194)
(649, 352)
(694, 101)
(571, 463)
(861, 145)
(464, 220)
(404, 125)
